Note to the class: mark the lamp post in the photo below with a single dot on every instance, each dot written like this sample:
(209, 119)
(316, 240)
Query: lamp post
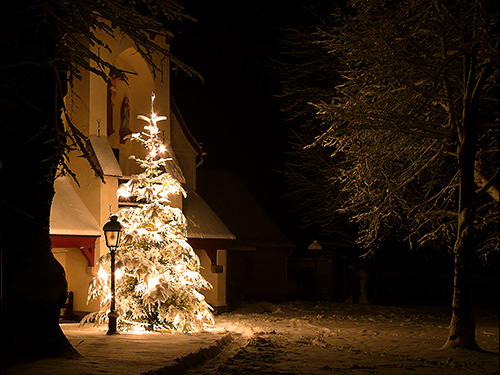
(112, 231)
(315, 248)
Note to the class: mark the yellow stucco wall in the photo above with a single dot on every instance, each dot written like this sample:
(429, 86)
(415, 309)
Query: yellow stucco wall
(74, 263)
(216, 297)
(88, 111)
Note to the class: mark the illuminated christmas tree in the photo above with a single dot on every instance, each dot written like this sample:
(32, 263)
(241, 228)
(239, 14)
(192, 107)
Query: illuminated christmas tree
(158, 273)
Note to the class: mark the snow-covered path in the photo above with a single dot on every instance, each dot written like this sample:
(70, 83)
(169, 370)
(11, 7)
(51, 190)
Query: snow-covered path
(347, 339)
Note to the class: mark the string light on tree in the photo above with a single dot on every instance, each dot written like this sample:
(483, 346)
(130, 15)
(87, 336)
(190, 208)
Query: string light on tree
(160, 280)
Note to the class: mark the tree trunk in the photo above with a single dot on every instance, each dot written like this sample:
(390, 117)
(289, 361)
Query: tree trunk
(463, 327)
(34, 286)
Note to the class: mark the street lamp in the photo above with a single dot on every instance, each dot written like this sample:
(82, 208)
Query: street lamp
(112, 231)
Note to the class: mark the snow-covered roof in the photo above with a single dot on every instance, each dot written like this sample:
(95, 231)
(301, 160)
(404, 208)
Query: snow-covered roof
(172, 166)
(182, 124)
(105, 156)
(68, 215)
(202, 221)
(237, 207)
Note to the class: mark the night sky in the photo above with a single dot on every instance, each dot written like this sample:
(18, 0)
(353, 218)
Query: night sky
(234, 113)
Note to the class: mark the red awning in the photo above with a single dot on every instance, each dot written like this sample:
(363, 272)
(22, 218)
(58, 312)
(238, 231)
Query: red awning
(86, 244)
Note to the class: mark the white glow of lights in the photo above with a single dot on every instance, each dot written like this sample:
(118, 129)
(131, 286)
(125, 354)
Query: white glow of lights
(158, 280)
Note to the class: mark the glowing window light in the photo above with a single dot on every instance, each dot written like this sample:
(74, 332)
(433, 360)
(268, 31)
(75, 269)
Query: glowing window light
(123, 192)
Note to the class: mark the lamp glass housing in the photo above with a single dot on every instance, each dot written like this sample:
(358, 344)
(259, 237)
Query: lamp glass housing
(112, 231)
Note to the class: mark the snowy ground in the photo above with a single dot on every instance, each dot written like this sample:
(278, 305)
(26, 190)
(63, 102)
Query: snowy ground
(290, 338)
(298, 338)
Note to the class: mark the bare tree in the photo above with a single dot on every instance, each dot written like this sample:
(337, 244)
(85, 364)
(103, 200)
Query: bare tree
(307, 74)
(45, 46)
(413, 128)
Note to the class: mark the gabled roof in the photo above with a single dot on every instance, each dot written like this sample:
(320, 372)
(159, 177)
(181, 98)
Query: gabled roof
(184, 128)
(172, 166)
(106, 159)
(68, 215)
(202, 221)
(239, 210)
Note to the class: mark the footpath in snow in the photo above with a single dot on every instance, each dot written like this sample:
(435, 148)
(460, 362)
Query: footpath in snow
(288, 338)
(128, 353)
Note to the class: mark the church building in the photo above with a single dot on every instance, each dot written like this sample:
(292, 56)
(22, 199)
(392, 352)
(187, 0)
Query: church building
(106, 112)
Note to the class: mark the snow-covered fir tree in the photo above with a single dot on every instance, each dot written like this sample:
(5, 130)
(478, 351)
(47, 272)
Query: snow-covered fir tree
(158, 273)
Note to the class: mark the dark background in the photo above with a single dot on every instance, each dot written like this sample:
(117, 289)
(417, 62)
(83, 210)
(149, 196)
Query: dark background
(234, 113)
